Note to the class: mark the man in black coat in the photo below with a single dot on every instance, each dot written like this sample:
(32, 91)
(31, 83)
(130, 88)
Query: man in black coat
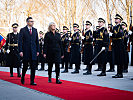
(53, 51)
(13, 57)
(29, 48)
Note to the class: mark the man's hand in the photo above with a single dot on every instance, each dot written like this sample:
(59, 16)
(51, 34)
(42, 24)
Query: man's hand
(37, 53)
(44, 55)
(21, 54)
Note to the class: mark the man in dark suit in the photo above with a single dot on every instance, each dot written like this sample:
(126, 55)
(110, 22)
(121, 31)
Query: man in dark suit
(29, 48)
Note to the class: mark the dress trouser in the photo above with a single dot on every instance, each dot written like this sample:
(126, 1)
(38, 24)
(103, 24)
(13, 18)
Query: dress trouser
(57, 69)
(33, 65)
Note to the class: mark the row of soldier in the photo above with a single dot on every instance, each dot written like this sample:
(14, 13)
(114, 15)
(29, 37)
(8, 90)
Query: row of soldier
(100, 46)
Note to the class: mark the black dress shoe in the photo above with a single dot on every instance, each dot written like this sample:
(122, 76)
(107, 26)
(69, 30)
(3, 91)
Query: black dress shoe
(87, 73)
(117, 76)
(46, 70)
(19, 75)
(22, 80)
(49, 80)
(99, 69)
(11, 75)
(65, 71)
(131, 78)
(32, 83)
(101, 74)
(53, 71)
(58, 82)
(110, 70)
(75, 72)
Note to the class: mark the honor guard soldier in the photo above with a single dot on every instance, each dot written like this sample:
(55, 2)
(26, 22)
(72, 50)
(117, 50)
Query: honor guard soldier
(41, 58)
(12, 50)
(62, 60)
(69, 49)
(102, 42)
(65, 44)
(88, 48)
(118, 46)
(75, 49)
(96, 47)
(110, 56)
(126, 37)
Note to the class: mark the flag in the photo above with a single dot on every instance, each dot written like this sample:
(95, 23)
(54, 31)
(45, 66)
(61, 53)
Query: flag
(2, 41)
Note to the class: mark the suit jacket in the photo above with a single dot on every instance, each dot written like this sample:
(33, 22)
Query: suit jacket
(28, 44)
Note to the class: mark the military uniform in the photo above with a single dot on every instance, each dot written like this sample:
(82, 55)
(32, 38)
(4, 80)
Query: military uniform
(110, 56)
(41, 57)
(13, 54)
(102, 41)
(96, 47)
(75, 50)
(65, 44)
(118, 48)
(88, 48)
(125, 68)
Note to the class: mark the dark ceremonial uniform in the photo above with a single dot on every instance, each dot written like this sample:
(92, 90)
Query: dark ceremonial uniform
(96, 48)
(62, 59)
(75, 50)
(102, 40)
(118, 49)
(110, 58)
(65, 44)
(88, 49)
(41, 57)
(125, 69)
(13, 58)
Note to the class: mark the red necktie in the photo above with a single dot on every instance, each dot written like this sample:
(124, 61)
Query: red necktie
(30, 32)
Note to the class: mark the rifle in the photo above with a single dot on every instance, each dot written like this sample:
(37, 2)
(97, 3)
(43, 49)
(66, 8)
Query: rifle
(110, 46)
(68, 50)
(82, 47)
(130, 27)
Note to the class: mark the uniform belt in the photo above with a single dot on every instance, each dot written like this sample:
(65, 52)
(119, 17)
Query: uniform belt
(99, 39)
(76, 43)
(116, 38)
(13, 45)
(88, 43)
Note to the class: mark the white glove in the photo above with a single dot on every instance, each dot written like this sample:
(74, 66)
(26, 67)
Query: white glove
(82, 37)
(110, 34)
(103, 48)
(0, 50)
(70, 47)
(70, 39)
(130, 32)
(8, 51)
